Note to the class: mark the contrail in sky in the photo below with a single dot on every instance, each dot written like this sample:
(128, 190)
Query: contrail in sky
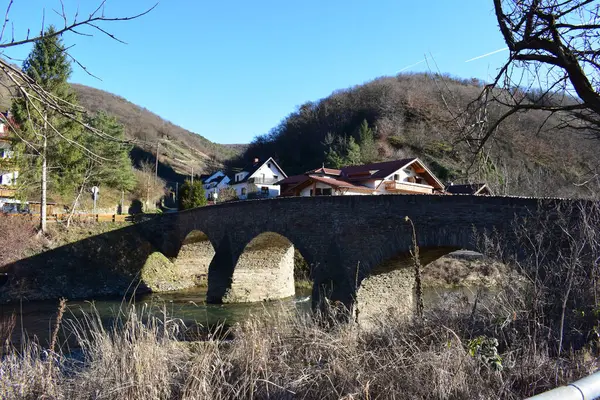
(412, 65)
(488, 54)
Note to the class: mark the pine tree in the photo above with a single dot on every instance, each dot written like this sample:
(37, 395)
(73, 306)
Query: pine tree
(115, 170)
(368, 148)
(353, 156)
(110, 167)
(46, 136)
(333, 159)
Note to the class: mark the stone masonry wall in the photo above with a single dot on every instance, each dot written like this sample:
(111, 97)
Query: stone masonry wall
(194, 259)
(335, 234)
(264, 271)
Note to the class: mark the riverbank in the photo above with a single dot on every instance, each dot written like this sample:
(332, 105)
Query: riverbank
(458, 353)
(464, 270)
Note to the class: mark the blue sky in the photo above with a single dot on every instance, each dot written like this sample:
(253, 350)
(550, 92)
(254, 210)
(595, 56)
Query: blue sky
(231, 70)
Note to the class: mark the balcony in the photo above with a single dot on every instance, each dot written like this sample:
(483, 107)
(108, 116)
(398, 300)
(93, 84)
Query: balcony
(264, 181)
(407, 187)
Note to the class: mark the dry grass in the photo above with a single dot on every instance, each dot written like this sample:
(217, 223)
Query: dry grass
(17, 235)
(292, 356)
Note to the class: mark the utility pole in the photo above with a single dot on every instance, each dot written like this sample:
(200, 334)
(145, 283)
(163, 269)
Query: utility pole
(156, 168)
(192, 175)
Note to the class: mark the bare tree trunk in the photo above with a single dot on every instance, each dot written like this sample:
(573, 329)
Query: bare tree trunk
(43, 208)
(76, 201)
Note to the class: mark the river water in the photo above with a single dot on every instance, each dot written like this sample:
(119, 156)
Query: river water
(36, 319)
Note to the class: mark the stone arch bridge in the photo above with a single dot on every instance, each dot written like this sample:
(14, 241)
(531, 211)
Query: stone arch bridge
(244, 247)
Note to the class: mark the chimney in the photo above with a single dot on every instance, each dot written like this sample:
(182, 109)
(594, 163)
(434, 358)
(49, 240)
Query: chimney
(256, 160)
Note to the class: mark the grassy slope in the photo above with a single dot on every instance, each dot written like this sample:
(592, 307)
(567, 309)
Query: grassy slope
(412, 118)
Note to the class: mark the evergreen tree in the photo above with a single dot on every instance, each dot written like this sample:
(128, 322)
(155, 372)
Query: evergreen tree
(191, 195)
(115, 171)
(46, 136)
(353, 155)
(368, 148)
(333, 159)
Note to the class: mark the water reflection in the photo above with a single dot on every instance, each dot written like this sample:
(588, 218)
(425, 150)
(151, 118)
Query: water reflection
(36, 319)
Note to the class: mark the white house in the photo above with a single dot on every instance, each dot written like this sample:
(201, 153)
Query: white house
(258, 180)
(8, 177)
(409, 176)
(214, 183)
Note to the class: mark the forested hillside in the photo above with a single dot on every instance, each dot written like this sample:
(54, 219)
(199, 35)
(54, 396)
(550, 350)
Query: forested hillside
(419, 115)
(180, 149)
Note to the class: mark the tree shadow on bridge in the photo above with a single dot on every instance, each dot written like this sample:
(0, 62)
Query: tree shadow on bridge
(103, 265)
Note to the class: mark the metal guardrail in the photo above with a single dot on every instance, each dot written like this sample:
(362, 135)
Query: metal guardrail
(587, 388)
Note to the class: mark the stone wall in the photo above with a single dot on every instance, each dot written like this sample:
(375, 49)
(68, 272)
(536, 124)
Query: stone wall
(334, 234)
(264, 271)
(194, 258)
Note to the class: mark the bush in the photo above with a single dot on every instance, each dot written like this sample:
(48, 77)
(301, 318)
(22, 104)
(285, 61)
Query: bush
(191, 195)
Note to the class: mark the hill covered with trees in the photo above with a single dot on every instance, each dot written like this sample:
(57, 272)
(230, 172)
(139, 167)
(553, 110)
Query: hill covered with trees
(425, 115)
(180, 149)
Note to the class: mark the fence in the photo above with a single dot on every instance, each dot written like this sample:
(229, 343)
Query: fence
(80, 217)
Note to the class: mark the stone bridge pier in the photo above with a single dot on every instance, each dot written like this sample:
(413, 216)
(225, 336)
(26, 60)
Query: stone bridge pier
(244, 250)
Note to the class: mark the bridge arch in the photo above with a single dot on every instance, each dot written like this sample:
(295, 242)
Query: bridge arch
(389, 286)
(263, 269)
(194, 258)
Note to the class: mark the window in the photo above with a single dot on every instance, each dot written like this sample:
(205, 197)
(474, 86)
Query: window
(311, 192)
(275, 177)
(319, 191)
(264, 191)
(269, 165)
(327, 192)
(397, 177)
(243, 191)
(418, 180)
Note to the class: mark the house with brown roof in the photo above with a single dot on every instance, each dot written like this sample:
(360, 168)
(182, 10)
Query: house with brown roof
(410, 176)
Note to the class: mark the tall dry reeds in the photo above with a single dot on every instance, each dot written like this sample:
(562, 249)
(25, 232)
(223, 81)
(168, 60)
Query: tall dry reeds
(283, 356)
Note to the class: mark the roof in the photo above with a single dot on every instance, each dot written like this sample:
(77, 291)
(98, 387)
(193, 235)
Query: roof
(326, 171)
(468, 188)
(292, 180)
(336, 183)
(375, 170)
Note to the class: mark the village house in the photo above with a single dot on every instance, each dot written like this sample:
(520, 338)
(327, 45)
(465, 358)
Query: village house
(257, 180)
(8, 173)
(410, 176)
(215, 183)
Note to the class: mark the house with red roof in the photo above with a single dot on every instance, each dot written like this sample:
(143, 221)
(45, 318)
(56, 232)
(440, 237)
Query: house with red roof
(409, 176)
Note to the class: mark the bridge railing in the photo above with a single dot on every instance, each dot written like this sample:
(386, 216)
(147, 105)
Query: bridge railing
(587, 388)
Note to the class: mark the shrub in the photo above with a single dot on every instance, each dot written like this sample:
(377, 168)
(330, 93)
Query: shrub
(191, 195)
